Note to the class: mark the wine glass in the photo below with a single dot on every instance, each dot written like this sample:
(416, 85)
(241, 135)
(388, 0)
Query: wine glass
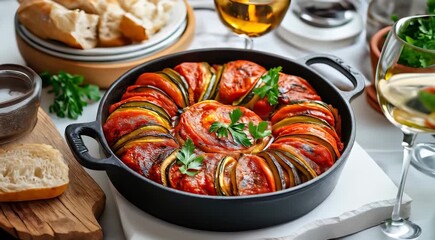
(251, 18)
(405, 77)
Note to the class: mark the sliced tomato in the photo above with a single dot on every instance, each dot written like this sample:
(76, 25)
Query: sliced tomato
(204, 181)
(197, 75)
(263, 108)
(148, 93)
(196, 121)
(121, 122)
(311, 149)
(253, 176)
(326, 133)
(237, 79)
(303, 127)
(167, 85)
(141, 154)
(293, 88)
(312, 108)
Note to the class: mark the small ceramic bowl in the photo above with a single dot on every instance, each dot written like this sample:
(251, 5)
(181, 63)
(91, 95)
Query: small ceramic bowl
(20, 92)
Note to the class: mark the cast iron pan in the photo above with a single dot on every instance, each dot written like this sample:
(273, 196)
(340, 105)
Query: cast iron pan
(219, 213)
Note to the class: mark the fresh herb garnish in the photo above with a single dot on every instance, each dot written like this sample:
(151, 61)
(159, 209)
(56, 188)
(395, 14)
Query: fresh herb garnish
(259, 131)
(419, 33)
(234, 128)
(270, 86)
(188, 161)
(70, 95)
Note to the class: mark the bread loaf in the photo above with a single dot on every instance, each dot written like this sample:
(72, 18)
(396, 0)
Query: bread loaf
(50, 20)
(32, 172)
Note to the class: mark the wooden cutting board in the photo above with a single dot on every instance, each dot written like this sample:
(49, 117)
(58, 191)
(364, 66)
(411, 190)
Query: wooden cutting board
(69, 216)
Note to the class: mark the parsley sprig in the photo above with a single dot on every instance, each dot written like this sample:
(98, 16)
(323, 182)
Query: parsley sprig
(188, 161)
(70, 95)
(270, 86)
(236, 128)
(260, 131)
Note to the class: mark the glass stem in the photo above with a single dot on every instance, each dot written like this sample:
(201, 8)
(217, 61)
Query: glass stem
(407, 143)
(249, 43)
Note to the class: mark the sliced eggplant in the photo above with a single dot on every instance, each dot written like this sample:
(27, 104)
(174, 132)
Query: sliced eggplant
(146, 112)
(171, 87)
(176, 77)
(299, 119)
(145, 139)
(147, 130)
(147, 105)
(290, 172)
(276, 169)
(313, 108)
(297, 160)
(166, 165)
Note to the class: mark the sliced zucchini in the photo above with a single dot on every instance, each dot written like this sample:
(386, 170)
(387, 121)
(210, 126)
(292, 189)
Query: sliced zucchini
(163, 121)
(333, 150)
(218, 73)
(225, 177)
(275, 167)
(298, 161)
(290, 172)
(148, 105)
(180, 85)
(304, 118)
(138, 133)
(171, 87)
(145, 139)
(176, 76)
(249, 95)
(210, 80)
(166, 165)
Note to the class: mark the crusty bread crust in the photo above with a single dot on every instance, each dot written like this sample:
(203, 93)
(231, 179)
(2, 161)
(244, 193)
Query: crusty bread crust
(33, 194)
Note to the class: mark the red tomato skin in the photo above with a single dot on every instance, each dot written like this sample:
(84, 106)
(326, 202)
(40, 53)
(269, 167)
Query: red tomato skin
(237, 79)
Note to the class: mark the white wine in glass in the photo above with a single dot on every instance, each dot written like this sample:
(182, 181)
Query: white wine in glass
(251, 18)
(405, 84)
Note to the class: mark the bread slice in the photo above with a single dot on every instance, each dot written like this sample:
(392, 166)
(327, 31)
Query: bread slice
(32, 172)
(50, 20)
(133, 28)
(109, 32)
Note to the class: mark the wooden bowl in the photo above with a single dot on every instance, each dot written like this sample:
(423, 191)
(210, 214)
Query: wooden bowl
(102, 74)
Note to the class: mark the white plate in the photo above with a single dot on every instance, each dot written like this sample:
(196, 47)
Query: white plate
(110, 58)
(177, 18)
(315, 39)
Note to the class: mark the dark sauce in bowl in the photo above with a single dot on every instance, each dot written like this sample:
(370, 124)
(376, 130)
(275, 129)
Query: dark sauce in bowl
(20, 91)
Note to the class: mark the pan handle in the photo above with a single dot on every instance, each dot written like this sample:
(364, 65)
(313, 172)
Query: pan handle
(357, 79)
(73, 135)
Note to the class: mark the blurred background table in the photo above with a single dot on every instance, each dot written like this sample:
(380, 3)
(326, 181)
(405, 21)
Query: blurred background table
(375, 134)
